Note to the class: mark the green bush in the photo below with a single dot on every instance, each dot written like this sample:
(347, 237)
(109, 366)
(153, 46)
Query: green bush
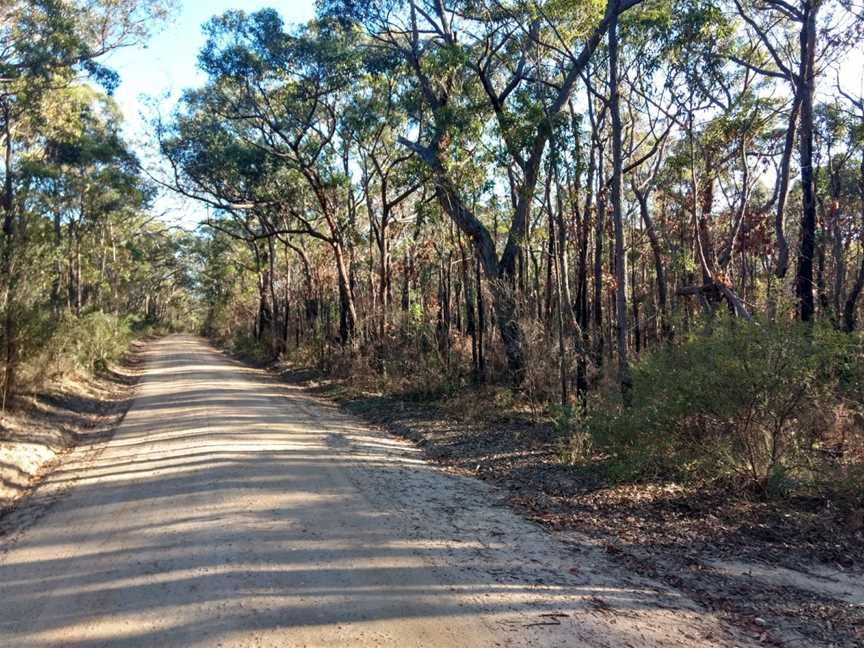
(247, 346)
(568, 423)
(751, 403)
(49, 346)
(93, 340)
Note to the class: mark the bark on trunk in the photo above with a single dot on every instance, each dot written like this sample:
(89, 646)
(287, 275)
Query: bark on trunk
(347, 311)
(624, 377)
(659, 266)
(10, 358)
(804, 274)
(850, 308)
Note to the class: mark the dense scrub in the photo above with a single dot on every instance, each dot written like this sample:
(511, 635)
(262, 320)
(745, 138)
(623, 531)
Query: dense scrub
(777, 409)
(72, 345)
(759, 408)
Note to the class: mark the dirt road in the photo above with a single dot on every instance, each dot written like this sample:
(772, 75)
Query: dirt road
(231, 510)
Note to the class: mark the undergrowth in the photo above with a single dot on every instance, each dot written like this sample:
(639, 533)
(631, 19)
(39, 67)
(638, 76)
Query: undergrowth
(54, 346)
(771, 408)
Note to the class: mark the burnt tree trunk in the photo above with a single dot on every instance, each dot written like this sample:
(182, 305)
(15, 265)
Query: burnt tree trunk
(804, 272)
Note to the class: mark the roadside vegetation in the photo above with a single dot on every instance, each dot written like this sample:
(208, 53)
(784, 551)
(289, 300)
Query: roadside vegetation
(86, 266)
(639, 222)
(85, 262)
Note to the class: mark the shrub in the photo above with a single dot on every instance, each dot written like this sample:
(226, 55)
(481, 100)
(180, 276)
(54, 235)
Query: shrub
(750, 403)
(567, 421)
(247, 346)
(93, 340)
(51, 346)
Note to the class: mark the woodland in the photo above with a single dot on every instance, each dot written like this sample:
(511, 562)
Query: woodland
(636, 221)
(607, 254)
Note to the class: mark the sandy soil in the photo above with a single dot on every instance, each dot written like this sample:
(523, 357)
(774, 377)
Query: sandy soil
(232, 510)
(43, 427)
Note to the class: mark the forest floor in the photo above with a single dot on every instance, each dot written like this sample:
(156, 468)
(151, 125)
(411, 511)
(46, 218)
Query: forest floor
(787, 573)
(43, 426)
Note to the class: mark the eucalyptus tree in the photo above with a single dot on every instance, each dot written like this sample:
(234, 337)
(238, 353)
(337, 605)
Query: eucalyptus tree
(87, 248)
(470, 61)
(624, 377)
(846, 187)
(835, 190)
(673, 50)
(787, 41)
(87, 184)
(374, 118)
(667, 61)
(245, 187)
(87, 177)
(697, 118)
(282, 93)
(44, 45)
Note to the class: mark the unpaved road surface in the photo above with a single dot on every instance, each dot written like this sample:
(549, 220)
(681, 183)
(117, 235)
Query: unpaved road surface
(232, 510)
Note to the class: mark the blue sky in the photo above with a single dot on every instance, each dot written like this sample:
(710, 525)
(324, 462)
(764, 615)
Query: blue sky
(168, 65)
(168, 62)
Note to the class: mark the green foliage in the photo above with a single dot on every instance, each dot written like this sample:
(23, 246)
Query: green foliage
(568, 421)
(247, 347)
(52, 346)
(93, 341)
(753, 404)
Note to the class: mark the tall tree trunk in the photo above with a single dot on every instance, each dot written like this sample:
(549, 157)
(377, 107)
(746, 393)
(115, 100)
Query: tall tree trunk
(383, 274)
(57, 281)
(481, 322)
(597, 308)
(275, 333)
(79, 288)
(347, 311)
(804, 273)
(10, 352)
(555, 260)
(782, 265)
(501, 275)
(624, 377)
(582, 283)
(851, 306)
(470, 313)
(550, 251)
(659, 267)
